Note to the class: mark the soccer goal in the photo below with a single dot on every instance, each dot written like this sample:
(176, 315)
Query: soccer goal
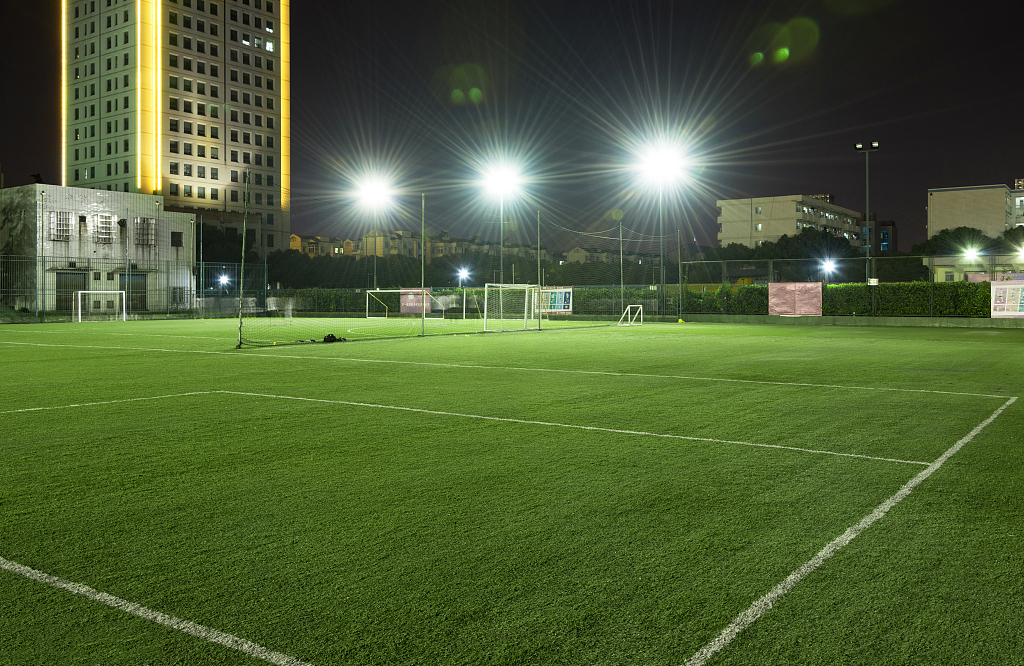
(633, 316)
(104, 305)
(380, 303)
(511, 307)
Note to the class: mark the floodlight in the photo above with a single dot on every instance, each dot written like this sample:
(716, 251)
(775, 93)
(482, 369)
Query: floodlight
(374, 192)
(828, 266)
(463, 274)
(663, 164)
(502, 181)
(970, 254)
(224, 279)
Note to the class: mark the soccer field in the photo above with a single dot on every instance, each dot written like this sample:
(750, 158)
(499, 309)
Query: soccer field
(665, 494)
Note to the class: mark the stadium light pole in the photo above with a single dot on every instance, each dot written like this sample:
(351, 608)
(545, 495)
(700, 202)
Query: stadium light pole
(463, 274)
(375, 194)
(502, 181)
(664, 165)
(867, 148)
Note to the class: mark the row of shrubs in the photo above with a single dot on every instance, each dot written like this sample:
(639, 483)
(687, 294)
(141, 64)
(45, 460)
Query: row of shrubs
(907, 299)
(940, 299)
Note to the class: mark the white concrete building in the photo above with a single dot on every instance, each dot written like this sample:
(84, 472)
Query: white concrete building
(994, 209)
(56, 241)
(182, 98)
(753, 222)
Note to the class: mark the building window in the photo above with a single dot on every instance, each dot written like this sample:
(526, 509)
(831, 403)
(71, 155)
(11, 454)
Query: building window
(174, 168)
(213, 173)
(177, 239)
(188, 191)
(145, 231)
(270, 240)
(60, 226)
(757, 227)
(213, 193)
(200, 192)
(188, 170)
(174, 189)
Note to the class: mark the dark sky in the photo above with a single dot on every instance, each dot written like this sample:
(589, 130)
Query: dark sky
(567, 86)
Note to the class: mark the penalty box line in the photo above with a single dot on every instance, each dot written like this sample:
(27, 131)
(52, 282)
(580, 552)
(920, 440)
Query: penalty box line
(616, 431)
(185, 626)
(766, 602)
(464, 366)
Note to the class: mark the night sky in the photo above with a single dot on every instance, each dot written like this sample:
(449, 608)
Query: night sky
(570, 89)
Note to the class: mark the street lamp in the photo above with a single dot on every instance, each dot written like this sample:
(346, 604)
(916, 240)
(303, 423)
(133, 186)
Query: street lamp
(376, 194)
(662, 164)
(463, 275)
(867, 148)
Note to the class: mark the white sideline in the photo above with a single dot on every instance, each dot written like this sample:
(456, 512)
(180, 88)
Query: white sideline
(199, 631)
(568, 425)
(103, 402)
(765, 603)
(515, 368)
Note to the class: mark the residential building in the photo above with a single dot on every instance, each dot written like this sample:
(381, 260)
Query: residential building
(994, 209)
(888, 237)
(755, 221)
(57, 241)
(187, 99)
(318, 246)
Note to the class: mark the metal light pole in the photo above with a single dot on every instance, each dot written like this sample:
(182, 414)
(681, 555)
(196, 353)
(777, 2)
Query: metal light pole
(867, 148)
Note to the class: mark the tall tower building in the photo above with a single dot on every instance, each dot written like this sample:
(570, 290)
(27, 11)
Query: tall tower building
(184, 98)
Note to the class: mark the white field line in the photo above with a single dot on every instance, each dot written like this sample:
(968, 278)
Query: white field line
(199, 631)
(104, 402)
(765, 603)
(567, 425)
(462, 366)
(470, 416)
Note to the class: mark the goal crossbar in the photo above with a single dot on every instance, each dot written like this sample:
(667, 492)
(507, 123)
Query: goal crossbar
(101, 309)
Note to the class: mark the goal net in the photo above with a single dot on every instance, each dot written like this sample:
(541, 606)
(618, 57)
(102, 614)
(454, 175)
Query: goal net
(100, 306)
(511, 307)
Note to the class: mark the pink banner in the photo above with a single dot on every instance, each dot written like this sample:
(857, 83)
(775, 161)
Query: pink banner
(790, 299)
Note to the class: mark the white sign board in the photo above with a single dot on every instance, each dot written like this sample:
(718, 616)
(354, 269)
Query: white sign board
(1008, 298)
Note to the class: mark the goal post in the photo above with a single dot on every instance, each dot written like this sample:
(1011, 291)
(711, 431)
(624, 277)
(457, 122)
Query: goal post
(511, 307)
(632, 316)
(108, 304)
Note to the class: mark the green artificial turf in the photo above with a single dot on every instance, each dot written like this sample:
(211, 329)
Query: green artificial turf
(564, 497)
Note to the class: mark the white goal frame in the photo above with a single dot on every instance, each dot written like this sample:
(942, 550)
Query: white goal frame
(369, 295)
(530, 312)
(426, 313)
(78, 302)
(631, 314)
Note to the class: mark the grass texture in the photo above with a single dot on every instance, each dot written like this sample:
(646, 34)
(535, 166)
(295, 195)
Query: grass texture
(592, 496)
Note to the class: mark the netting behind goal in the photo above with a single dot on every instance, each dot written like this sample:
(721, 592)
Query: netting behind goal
(511, 307)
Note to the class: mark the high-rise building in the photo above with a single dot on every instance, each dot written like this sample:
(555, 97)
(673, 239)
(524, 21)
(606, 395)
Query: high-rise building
(186, 99)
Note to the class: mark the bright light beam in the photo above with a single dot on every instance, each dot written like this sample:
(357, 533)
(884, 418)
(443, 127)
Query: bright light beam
(829, 266)
(971, 254)
(663, 164)
(375, 193)
(502, 181)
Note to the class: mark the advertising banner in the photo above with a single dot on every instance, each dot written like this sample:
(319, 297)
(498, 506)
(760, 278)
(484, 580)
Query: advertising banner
(1008, 298)
(556, 300)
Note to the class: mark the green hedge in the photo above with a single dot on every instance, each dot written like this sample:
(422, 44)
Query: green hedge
(906, 299)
